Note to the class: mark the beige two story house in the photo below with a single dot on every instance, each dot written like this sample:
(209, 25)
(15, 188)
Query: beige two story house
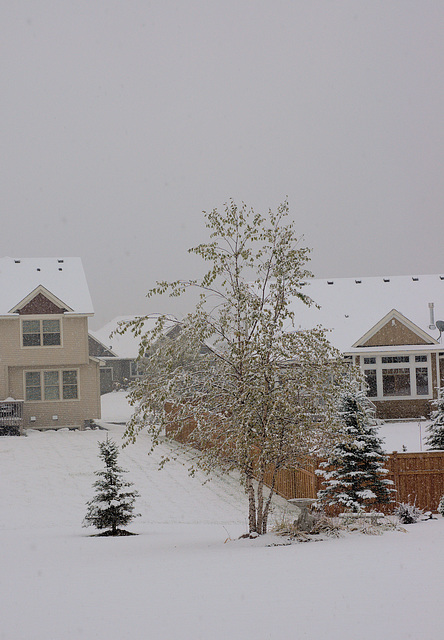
(47, 378)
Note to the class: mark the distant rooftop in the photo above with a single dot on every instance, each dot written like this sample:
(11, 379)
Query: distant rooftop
(126, 345)
(63, 277)
(352, 306)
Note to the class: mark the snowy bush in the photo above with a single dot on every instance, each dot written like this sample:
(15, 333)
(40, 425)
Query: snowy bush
(408, 513)
(441, 506)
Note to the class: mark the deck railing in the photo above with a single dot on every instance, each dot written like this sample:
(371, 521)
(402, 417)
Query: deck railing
(11, 417)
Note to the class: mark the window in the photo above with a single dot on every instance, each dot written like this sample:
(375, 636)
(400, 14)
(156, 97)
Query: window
(370, 376)
(33, 388)
(422, 381)
(41, 333)
(134, 369)
(51, 385)
(387, 380)
(396, 382)
(70, 385)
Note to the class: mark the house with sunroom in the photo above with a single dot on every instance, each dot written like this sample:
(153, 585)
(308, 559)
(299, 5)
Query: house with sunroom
(389, 326)
(47, 378)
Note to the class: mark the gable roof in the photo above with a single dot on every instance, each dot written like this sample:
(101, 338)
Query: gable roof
(420, 336)
(125, 346)
(62, 280)
(350, 307)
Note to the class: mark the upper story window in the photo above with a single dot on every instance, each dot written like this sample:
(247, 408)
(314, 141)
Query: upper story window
(41, 333)
(391, 377)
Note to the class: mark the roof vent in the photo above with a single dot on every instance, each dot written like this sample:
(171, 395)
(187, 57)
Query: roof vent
(415, 279)
(17, 261)
(441, 277)
(386, 279)
(330, 282)
(358, 281)
(38, 269)
(60, 269)
(60, 261)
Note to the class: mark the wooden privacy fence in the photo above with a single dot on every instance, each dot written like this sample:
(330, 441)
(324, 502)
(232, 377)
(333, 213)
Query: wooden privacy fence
(296, 483)
(418, 478)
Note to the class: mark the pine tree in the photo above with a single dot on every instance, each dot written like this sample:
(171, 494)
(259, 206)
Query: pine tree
(113, 505)
(435, 440)
(354, 472)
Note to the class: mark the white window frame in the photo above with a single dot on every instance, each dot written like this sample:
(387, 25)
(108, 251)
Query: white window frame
(134, 369)
(40, 319)
(60, 382)
(412, 365)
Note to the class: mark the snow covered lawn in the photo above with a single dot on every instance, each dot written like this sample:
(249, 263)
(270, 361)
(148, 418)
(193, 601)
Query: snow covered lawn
(180, 578)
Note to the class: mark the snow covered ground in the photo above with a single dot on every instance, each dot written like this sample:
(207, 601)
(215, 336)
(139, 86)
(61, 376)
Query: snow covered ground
(404, 436)
(185, 576)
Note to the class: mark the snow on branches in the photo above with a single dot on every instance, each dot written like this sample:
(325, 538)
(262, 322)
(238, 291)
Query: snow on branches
(234, 378)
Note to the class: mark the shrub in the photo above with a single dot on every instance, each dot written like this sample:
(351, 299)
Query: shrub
(441, 506)
(408, 513)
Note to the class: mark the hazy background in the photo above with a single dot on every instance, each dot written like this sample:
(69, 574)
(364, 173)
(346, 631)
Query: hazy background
(122, 120)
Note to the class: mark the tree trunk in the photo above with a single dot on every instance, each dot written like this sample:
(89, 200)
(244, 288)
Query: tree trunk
(251, 505)
(260, 503)
(268, 503)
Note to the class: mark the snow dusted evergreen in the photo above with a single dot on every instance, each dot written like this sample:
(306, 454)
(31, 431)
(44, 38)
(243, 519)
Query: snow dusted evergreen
(238, 381)
(435, 440)
(113, 505)
(441, 506)
(354, 473)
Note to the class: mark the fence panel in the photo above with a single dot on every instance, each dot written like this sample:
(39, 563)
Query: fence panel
(418, 477)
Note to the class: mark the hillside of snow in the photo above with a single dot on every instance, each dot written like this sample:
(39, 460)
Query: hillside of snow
(186, 576)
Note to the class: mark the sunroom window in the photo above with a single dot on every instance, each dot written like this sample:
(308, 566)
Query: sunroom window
(396, 382)
(370, 376)
(397, 376)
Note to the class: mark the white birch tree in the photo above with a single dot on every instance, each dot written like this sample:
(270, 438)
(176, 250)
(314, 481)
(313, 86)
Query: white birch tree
(247, 390)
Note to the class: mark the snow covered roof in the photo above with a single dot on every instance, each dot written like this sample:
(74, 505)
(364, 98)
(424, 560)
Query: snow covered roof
(64, 278)
(126, 345)
(350, 307)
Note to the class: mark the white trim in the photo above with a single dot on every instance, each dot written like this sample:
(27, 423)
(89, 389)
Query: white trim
(395, 349)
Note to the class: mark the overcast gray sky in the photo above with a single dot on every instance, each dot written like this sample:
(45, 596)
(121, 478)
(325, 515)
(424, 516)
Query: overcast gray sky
(123, 120)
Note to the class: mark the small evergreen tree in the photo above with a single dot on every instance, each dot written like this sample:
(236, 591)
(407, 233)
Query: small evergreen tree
(435, 439)
(354, 472)
(113, 505)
